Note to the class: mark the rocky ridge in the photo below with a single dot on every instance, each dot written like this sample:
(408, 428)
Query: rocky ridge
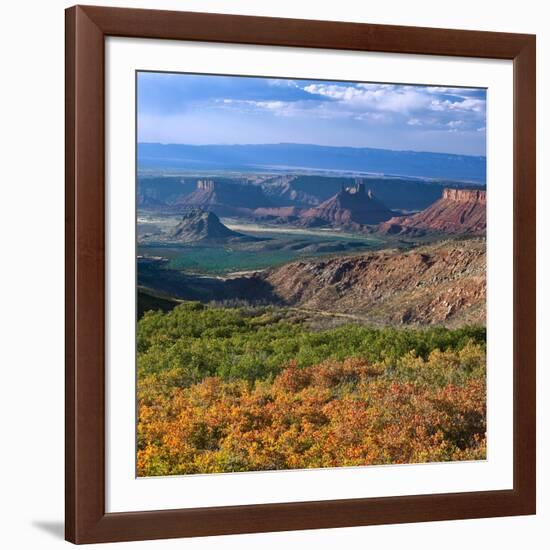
(438, 284)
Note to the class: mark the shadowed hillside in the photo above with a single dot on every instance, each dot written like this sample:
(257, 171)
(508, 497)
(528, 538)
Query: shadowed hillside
(224, 198)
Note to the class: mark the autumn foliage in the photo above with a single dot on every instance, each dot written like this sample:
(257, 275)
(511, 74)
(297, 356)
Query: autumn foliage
(420, 399)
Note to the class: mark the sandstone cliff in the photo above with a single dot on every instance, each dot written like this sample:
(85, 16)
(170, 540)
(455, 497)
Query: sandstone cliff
(457, 211)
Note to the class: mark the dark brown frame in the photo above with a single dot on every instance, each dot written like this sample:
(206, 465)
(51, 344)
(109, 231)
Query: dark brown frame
(86, 29)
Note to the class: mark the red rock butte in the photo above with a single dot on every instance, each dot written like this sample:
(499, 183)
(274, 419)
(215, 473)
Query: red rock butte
(457, 211)
(352, 205)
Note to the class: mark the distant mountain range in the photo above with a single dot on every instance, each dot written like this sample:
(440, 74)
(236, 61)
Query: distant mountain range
(294, 156)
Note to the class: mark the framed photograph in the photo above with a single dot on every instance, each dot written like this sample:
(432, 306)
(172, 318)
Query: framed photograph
(300, 274)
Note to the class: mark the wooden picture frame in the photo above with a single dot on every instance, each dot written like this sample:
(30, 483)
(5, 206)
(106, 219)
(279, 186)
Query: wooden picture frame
(86, 30)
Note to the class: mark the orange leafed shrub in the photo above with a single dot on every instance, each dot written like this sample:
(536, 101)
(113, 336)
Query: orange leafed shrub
(336, 413)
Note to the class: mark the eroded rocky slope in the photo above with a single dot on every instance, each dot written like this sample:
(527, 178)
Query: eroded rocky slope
(438, 284)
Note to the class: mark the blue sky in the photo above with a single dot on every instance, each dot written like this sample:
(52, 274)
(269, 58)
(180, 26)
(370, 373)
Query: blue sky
(203, 109)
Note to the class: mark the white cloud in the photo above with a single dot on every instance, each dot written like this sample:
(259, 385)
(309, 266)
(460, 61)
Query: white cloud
(318, 109)
(271, 105)
(469, 104)
(282, 83)
(372, 117)
(375, 97)
(274, 105)
(375, 86)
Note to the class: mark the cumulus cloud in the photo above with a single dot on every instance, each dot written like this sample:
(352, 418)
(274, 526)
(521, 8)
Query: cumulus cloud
(427, 106)
(432, 108)
(378, 97)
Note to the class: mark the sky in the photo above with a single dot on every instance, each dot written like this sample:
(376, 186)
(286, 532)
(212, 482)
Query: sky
(206, 110)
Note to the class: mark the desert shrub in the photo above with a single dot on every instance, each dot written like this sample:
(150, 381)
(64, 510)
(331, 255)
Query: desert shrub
(347, 413)
(256, 343)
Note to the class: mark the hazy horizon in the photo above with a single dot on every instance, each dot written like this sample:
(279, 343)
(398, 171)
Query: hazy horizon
(303, 144)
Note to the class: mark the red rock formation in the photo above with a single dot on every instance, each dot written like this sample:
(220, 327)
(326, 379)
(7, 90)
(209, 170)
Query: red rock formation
(351, 206)
(465, 195)
(457, 211)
